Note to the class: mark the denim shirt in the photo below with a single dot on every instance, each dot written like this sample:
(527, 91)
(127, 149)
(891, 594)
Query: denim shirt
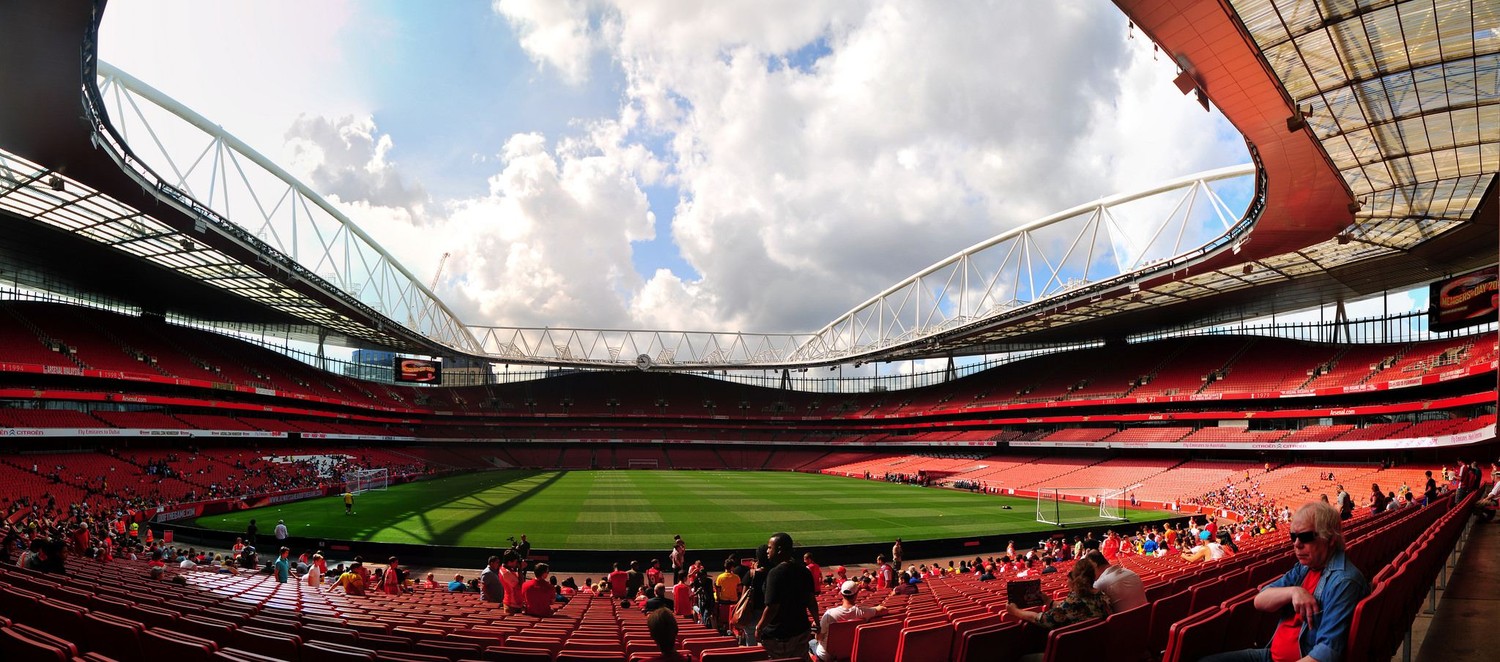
(1339, 589)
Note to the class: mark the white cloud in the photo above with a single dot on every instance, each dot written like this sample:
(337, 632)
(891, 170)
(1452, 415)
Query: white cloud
(548, 245)
(248, 67)
(807, 190)
(805, 186)
(344, 158)
(555, 33)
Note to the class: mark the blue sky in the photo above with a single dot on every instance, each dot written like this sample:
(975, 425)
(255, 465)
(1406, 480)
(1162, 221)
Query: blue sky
(757, 166)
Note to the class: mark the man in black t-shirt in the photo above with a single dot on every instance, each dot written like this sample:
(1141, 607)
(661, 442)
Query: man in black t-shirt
(791, 611)
(634, 580)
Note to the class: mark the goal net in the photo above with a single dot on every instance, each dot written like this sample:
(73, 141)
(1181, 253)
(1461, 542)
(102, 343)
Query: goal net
(637, 463)
(1072, 505)
(360, 481)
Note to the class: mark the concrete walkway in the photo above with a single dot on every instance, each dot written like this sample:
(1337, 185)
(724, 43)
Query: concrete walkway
(1468, 612)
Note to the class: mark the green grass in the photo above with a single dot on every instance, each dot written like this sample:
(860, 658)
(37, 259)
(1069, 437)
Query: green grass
(630, 510)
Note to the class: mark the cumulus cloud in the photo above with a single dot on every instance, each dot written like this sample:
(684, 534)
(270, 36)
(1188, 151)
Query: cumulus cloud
(345, 158)
(549, 243)
(820, 152)
(807, 186)
(555, 33)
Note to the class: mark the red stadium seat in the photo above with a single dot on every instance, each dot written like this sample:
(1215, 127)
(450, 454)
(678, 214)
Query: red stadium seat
(511, 654)
(927, 643)
(108, 635)
(163, 644)
(1076, 641)
(838, 641)
(324, 651)
(18, 647)
(697, 645)
(1127, 632)
(995, 643)
(265, 642)
(398, 656)
(877, 641)
(1197, 635)
(736, 654)
(1165, 612)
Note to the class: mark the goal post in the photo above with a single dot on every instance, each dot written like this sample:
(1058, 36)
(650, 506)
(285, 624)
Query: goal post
(1112, 504)
(1060, 506)
(638, 463)
(360, 481)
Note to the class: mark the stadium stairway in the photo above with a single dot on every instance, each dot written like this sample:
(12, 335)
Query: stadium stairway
(1468, 608)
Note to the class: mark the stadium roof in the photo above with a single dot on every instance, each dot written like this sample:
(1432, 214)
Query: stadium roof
(1375, 128)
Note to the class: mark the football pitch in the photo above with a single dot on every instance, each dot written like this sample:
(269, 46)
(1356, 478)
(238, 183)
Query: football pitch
(642, 509)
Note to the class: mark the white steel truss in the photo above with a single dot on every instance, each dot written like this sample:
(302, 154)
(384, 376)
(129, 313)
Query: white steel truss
(1051, 257)
(196, 164)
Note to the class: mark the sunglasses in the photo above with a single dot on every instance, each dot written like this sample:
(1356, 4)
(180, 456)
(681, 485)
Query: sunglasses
(1305, 537)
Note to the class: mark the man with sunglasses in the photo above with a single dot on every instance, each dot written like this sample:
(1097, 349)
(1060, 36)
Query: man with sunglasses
(1316, 598)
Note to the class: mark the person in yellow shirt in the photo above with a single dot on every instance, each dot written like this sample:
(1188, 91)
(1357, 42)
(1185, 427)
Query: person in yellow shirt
(348, 503)
(352, 581)
(726, 592)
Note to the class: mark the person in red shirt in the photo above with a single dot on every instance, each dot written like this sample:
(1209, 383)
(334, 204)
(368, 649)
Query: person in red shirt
(538, 593)
(816, 570)
(617, 582)
(510, 581)
(1111, 546)
(653, 574)
(391, 582)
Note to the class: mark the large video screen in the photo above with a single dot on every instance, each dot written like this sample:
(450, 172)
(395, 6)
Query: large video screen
(1464, 300)
(420, 371)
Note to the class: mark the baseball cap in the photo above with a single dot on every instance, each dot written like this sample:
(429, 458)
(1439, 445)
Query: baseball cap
(849, 588)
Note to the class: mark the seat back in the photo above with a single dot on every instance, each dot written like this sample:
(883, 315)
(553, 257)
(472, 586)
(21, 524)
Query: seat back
(1207, 594)
(876, 642)
(925, 643)
(269, 643)
(838, 641)
(552, 646)
(237, 655)
(1164, 613)
(736, 654)
(995, 643)
(962, 626)
(163, 644)
(17, 647)
(513, 654)
(1126, 633)
(1197, 635)
(697, 645)
(590, 656)
(55, 615)
(1247, 626)
(114, 637)
(453, 650)
(1078, 641)
(327, 651)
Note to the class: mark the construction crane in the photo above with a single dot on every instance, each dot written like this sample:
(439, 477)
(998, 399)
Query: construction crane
(411, 318)
(442, 262)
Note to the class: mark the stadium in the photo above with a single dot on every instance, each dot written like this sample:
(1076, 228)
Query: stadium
(193, 345)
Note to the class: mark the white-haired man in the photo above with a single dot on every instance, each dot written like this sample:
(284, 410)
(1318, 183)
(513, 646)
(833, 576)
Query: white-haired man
(1316, 598)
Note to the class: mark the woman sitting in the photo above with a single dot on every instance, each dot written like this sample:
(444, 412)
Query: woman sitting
(1081, 604)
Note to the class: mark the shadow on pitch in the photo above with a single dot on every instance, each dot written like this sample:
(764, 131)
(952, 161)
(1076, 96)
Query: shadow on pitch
(437, 533)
